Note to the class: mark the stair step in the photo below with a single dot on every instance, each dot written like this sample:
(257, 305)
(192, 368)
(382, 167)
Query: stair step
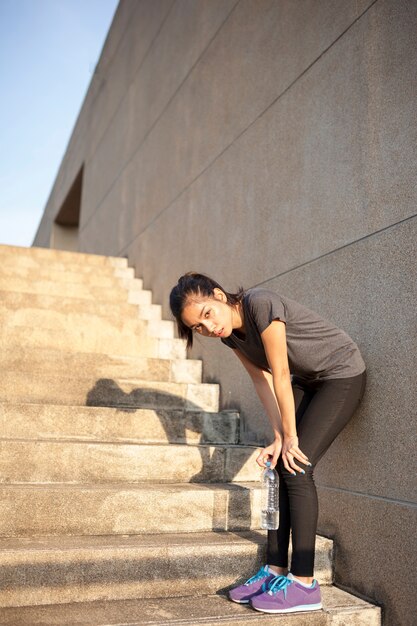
(24, 263)
(339, 609)
(14, 301)
(161, 328)
(104, 277)
(47, 255)
(71, 323)
(43, 421)
(171, 349)
(80, 290)
(127, 509)
(100, 365)
(75, 323)
(76, 340)
(141, 494)
(76, 462)
(141, 296)
(83, 340)
(132, 392)
(149, 311)
(55, 570)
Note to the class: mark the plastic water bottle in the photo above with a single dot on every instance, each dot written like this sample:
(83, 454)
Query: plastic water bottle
(269, 479)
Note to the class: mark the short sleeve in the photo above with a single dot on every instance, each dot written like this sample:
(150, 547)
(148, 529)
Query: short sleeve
(266, 306)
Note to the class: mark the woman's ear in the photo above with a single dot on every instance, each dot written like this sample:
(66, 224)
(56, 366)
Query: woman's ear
(219, 294)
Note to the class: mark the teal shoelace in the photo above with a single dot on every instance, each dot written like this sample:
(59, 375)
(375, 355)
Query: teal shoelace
(267, 585)
(280, 583)
(261, 573)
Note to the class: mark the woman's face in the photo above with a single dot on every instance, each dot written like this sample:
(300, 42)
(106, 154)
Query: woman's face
(211, 317)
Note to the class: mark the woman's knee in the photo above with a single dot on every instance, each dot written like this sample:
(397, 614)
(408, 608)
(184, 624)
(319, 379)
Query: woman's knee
(306, 475)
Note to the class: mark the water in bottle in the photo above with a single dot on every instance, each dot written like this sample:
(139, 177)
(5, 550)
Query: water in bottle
(269, 479)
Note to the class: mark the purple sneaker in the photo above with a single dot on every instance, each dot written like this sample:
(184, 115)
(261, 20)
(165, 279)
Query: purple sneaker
(286, 595)
(252, 586)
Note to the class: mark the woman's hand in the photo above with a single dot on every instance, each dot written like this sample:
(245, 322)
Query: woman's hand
(291, 451)
(270, 453)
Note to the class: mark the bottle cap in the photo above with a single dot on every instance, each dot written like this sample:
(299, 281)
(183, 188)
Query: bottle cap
(268, 463)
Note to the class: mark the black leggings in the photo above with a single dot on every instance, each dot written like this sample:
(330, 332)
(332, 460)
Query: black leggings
(322, 408)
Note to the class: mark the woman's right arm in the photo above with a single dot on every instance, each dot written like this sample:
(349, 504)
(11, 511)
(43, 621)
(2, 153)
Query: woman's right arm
(264, 387)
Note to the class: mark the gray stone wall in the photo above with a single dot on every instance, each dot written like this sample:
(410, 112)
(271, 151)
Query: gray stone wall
(273, 142)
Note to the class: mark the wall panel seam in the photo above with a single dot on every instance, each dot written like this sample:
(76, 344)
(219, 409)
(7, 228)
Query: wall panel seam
(91, 106)
(132, 156)
(326, 254)
(82, 110)
(230, 144)
(137, 70)
(121, 38)
(372, 496)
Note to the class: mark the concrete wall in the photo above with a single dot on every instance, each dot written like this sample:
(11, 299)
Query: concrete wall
(273, 142)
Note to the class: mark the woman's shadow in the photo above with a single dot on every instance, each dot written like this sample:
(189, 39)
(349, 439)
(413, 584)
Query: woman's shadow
(181, 420)
(179, 417)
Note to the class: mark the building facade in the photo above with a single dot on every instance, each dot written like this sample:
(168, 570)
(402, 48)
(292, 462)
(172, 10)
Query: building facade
(272, 142)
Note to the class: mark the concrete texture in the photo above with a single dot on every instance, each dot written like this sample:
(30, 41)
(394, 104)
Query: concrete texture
(68, 569)
(68, 276)
(267, 143)
(379, 313)
(119, 392)
(16, 262)
(171, 349)
(42, 361)
(332, 125)
(375, 454)
(217, 116)
(14, 301)
(384, 569)
(118, 425)
(84, 488)
(73, 462)
(67, 322)
(61, 256)
(339, 609)
(183, 37)
(80, 290)
(75, 340)
(127, 509)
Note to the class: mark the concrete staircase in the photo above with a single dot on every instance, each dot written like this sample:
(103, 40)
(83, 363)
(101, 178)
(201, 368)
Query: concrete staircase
(125, 495)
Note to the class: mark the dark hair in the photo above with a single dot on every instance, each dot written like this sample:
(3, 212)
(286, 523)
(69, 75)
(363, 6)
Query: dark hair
(191, 284)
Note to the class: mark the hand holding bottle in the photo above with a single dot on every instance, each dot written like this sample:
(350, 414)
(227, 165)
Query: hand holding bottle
(270, 453)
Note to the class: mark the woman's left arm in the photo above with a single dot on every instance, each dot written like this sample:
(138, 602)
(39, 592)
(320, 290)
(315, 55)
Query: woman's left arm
(275, 344)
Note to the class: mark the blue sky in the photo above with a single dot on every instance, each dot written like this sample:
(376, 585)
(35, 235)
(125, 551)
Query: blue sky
(48, 51)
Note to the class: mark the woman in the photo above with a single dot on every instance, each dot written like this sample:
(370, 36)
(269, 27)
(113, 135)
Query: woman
(275, 337)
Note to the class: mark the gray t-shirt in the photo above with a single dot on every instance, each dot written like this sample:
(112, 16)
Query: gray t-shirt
(316, 348)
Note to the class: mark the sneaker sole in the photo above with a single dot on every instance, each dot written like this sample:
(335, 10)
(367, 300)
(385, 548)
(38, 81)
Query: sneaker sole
(295, 609)
(239, 601)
